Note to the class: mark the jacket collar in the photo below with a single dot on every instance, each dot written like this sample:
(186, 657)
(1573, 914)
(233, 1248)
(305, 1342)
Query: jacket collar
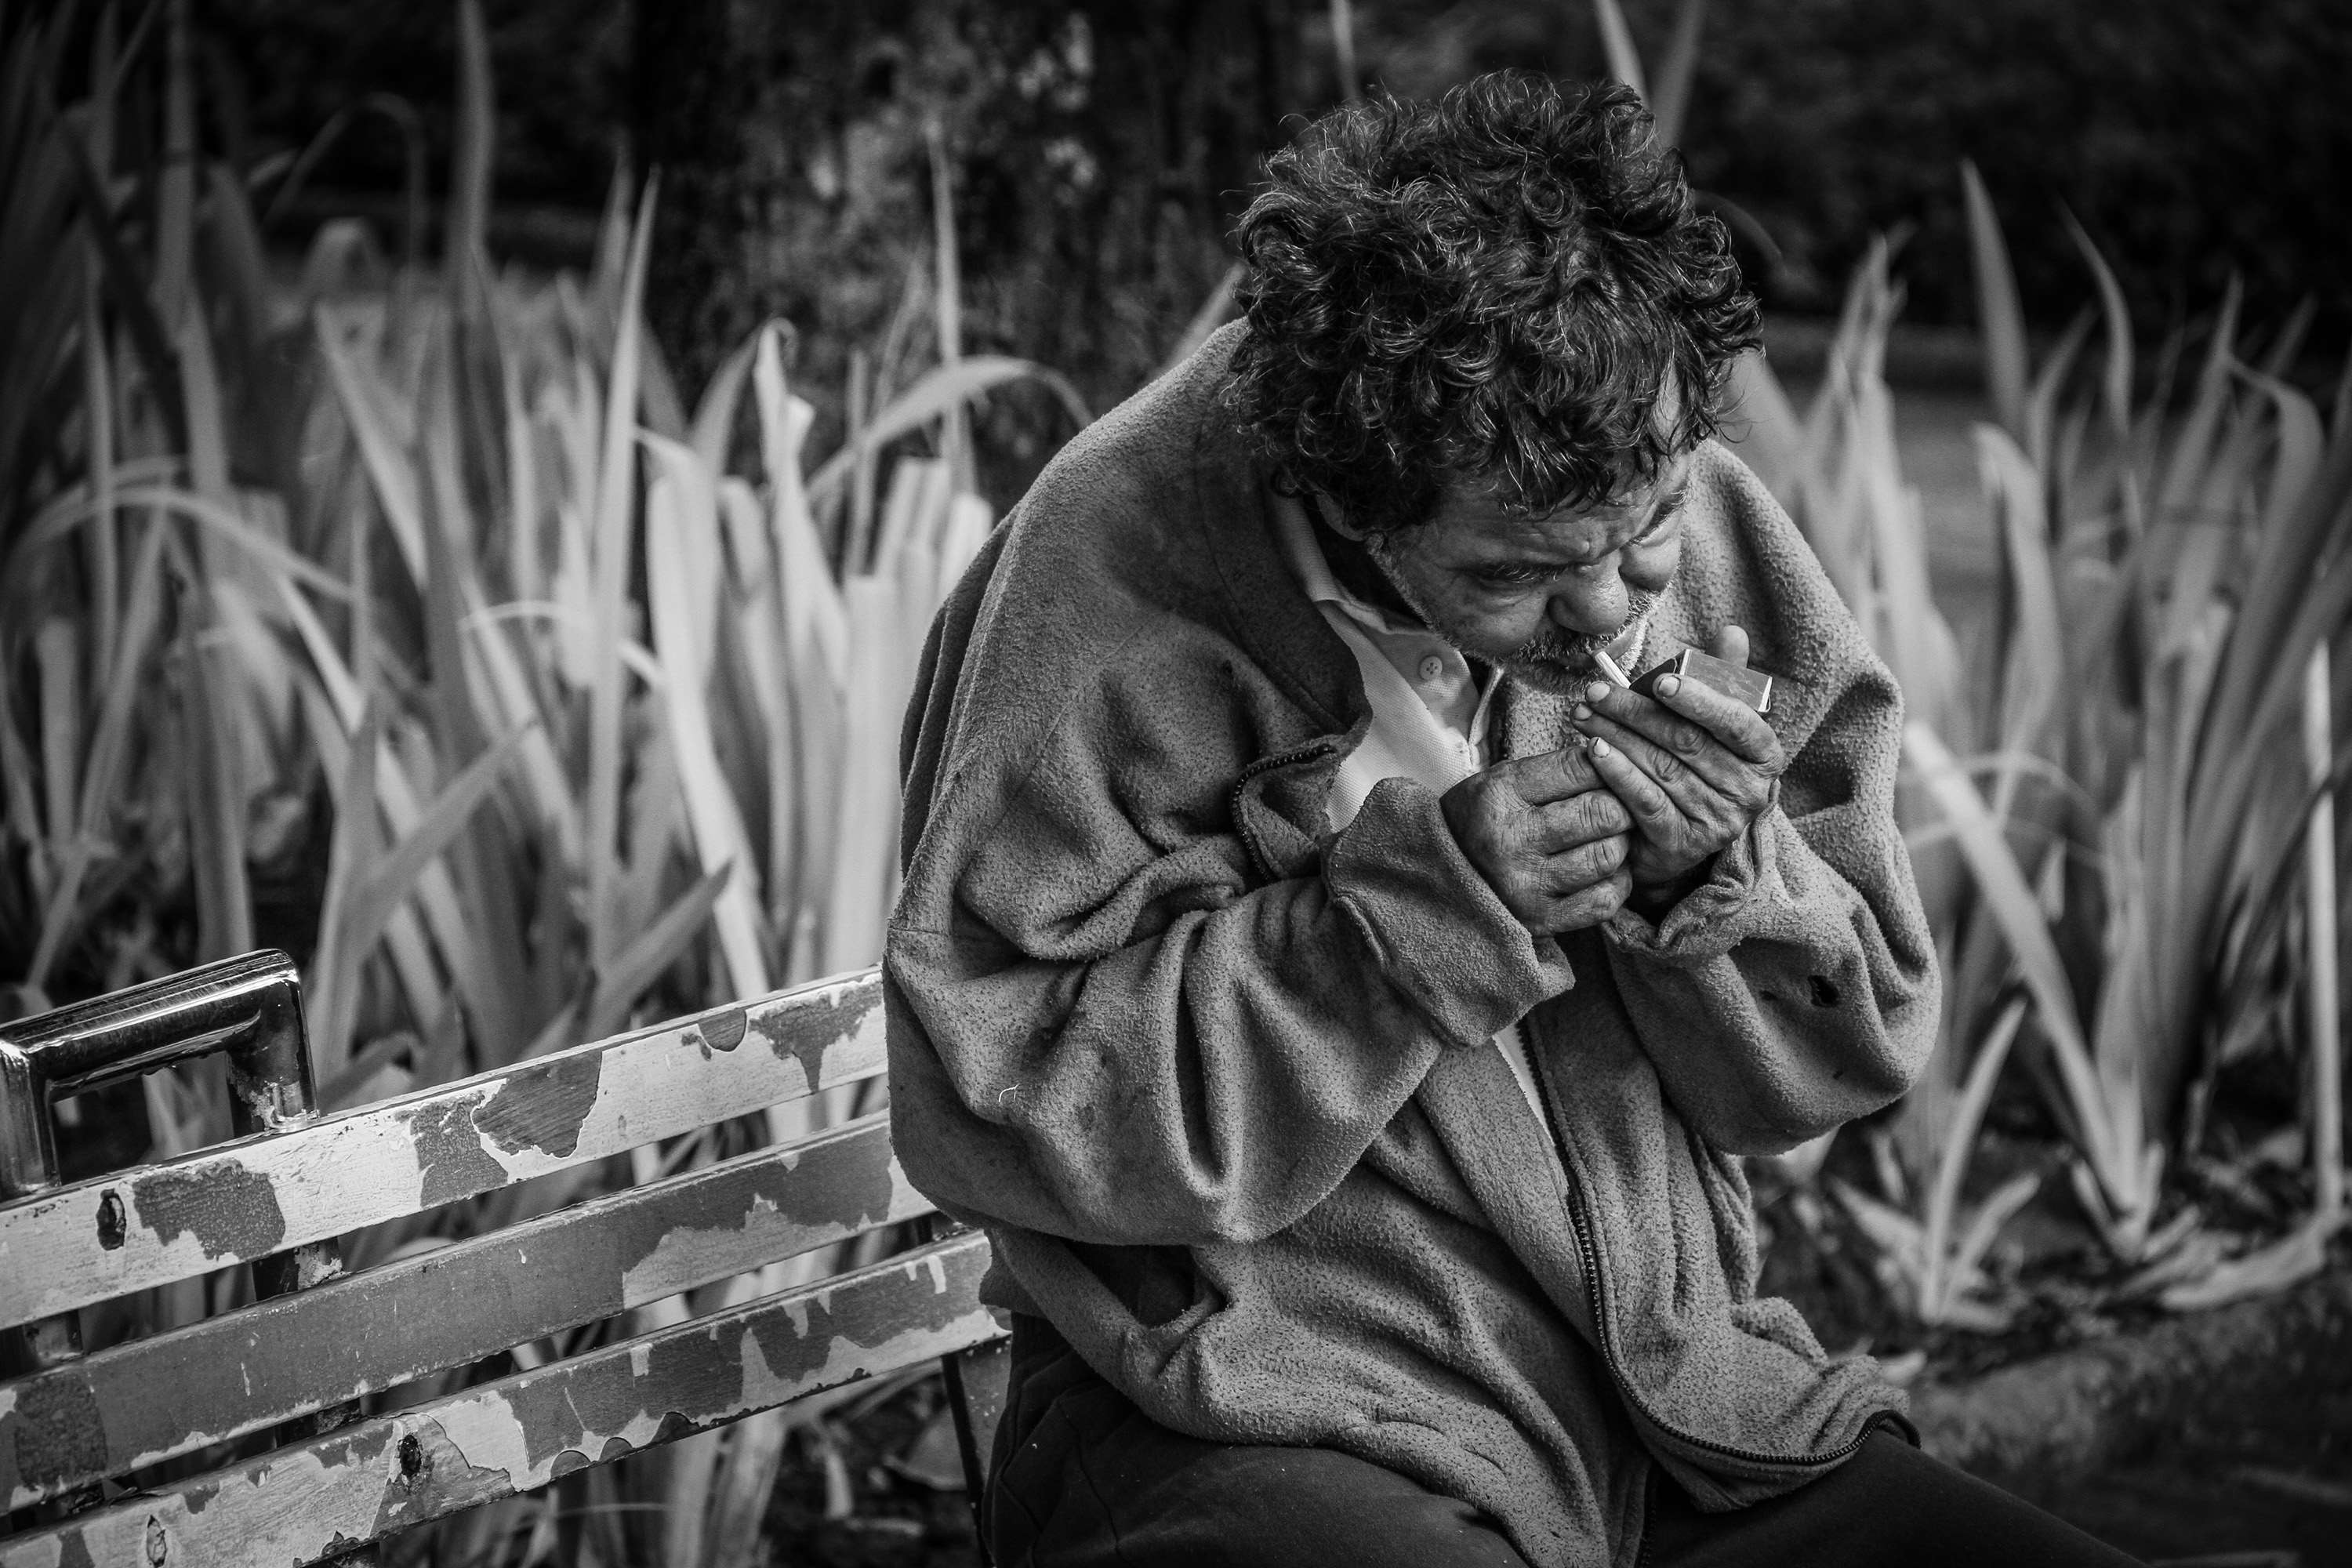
(1270, 613)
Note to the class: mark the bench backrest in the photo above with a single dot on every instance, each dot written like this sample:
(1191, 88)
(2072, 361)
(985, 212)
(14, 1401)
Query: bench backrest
(316, 1340)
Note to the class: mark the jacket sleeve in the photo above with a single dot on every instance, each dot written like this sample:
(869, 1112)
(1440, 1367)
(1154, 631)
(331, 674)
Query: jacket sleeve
(1797, 988)
(1105, 1025)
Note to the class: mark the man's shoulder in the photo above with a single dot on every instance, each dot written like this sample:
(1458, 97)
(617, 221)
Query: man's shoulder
(1149, 467)
(1136, 594)
(1151, 528)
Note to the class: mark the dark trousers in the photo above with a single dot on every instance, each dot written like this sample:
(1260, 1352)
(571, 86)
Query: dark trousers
(1082, 1477)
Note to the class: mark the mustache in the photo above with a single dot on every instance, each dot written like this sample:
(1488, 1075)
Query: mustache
(1574, 652)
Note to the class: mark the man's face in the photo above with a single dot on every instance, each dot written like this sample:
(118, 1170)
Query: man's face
(1539, 595)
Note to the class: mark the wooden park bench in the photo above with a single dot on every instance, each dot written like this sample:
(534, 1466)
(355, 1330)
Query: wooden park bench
(275, 1383)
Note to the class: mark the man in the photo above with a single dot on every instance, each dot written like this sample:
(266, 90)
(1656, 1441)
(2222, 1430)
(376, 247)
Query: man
(1343, 1006)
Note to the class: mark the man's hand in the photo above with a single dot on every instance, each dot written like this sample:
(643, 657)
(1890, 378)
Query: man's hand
(1548, 836)
(1694, 769)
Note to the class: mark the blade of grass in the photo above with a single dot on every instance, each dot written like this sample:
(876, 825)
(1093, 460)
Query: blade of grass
(1617, 39)
(469, 173)
(682, 576)
(1343, 51)
(176, 196)
(955, 435)
(98, 416)
(480, 864)
(637, 965)
(1999, 316)
(2042, 423)
(2321, 991)
(130, 290)
(612, 538)
(1681, 67)
(57, 661)
(930, 398)
(1941, 1272)
(2000, 1205)
(762, 639)
(2034, 681)
(331, 721)
(714, 416)
(109, 747)
(815, 625)
(2118, 382)
(2191, 446)
(216, 518)
(866, 834)
(390, 882)
(351, 849)
(370, 414)
(2010, 900)
(216, 800)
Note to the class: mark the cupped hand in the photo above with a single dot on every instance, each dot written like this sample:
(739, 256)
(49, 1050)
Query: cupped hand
(1548, 836)
(1693, 768)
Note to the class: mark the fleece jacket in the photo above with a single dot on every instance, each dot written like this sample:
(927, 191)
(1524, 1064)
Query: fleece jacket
(1219, 1084)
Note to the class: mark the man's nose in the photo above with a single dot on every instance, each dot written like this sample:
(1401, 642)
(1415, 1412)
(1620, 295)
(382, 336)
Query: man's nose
(1593, 606)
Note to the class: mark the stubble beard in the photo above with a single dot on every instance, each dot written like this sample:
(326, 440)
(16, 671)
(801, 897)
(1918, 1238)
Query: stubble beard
(1555, 661)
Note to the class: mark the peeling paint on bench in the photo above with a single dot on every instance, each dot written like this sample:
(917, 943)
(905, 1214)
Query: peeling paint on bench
(306, 1502)
(277, 1360)
(455, 1141)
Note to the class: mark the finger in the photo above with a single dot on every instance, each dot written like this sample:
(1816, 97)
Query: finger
(1731, 645)
(1693, 749)
(1738, 727)
(1570, 873)
(1593, 905)
(1580, 819)
(1696, 795)
(1682, 711)
(1656, 814)
(1549, 776)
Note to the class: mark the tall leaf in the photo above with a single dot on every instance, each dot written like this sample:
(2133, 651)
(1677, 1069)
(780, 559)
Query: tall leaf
(611, 542)
(1999, 316)
(1617, 39)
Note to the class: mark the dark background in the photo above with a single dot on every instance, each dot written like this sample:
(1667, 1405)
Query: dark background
(1101, 150)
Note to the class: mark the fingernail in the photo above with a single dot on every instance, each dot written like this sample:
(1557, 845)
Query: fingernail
(1599, 747)
(1596, 692)
(1669, 684)
(1583, 712)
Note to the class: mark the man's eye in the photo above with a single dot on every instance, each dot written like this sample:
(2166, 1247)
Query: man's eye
(1513, 577)
(1668, 510)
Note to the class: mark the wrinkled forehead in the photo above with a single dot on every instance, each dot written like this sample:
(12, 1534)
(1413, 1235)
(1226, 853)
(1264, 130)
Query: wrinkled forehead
(1491, 502)
(1482, 523)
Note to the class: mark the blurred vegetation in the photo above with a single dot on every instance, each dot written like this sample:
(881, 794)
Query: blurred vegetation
(1101, 149)
(2192, 141)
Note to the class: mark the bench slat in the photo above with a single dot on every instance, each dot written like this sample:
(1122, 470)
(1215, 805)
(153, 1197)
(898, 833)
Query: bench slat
(280, 1359)
(360, 1482)
(236, 1201)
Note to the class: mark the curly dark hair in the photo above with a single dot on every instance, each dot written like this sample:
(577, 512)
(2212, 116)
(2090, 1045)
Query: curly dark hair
(1492, 287)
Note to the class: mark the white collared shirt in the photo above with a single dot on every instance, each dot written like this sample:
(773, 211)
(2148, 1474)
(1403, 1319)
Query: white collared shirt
(1430, 711)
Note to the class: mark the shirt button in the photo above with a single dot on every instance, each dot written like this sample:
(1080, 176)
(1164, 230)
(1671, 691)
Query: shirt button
(1432, 668)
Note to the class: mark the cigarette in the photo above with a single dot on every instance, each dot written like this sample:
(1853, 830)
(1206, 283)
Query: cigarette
(1608, 668)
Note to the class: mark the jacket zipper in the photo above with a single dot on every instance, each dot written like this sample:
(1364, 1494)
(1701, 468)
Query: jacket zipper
(1592, 1258)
